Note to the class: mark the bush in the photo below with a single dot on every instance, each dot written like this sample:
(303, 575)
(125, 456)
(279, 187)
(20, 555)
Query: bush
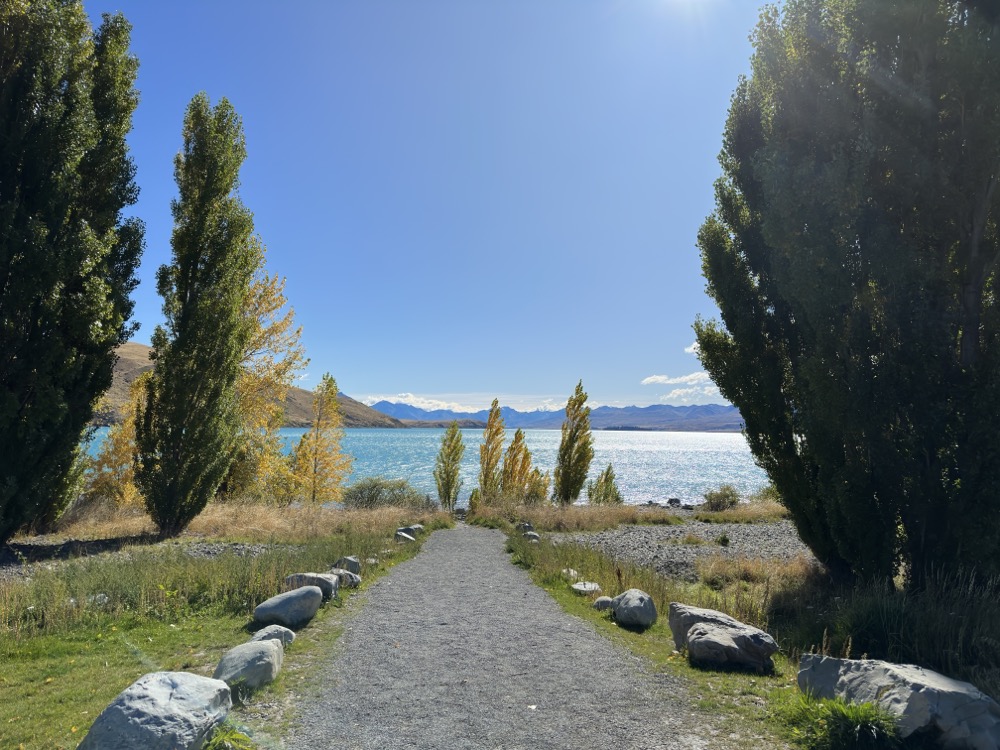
(379, 492)
(836, 725)
(724, 498)
(605, 490)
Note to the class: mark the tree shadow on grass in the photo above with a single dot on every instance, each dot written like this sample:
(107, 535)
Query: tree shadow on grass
(15, 553)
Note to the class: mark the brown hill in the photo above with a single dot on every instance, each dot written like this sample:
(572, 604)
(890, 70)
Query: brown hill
(133, 360)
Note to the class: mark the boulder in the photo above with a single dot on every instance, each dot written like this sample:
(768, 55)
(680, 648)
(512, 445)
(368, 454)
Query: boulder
(531, 536)
(720, 640)
(325, 582)
(402, 536)
(161, 711)
(275, 632)
(347, 579)
(524, 526)
(919, 698)
(293, 609)
(602, 603)
(251, 665)
(586, 587)
(634, 609)
(410, 531)
(350, 563)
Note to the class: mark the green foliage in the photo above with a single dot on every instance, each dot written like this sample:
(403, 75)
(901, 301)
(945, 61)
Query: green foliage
(576, 449)
(379, 492)
(490, 455)
(853, 255)
(836, 725)
(447, 467)
(724, 498)
(188, 431)
(604, 491)
(228, 737)
(67, 255)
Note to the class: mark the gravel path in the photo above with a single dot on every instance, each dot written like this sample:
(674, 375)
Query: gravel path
(457, 648)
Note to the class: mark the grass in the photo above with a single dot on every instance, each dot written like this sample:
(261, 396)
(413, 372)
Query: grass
(752, 511)
(80, 631)
(549, 518)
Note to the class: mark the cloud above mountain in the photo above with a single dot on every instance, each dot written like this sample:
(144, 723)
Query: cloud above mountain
(695, 378)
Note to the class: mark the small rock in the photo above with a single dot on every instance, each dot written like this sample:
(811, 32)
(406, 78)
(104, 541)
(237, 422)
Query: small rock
(348, 579)
(586, 587)
(350, 563)
(524, 526)
(371, 561)
(161, 711)
(274, 632)
(98, 600)
(293, 609)
(531, 536)
(251, 665)
(602, 603)
(326, 582)
(404, 537)
(634, 609)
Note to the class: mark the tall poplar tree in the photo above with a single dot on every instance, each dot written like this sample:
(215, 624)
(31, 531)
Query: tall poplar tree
(576, 449)
(516, 471)
(854, 257)
(189, 428)
(67, 255)
(490, 455)
(318, 463)
(448, 465)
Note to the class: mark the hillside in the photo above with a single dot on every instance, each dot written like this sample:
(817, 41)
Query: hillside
(133, 360)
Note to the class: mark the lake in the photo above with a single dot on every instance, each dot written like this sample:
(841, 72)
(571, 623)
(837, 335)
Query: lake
(648, 465)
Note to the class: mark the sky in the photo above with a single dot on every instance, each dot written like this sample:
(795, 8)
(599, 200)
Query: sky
(469, 200)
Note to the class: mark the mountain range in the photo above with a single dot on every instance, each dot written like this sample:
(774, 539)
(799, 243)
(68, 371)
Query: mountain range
(703, 418)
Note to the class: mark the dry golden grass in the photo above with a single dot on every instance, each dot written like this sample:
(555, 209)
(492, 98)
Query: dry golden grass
(248, 521)
(572, 518)
(754, 511)
(718, 572)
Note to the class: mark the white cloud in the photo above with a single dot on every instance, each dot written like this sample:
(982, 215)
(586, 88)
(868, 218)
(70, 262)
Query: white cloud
(708, 394)
(469, 402)
(421, 402)
(695, 378)
(693, 349)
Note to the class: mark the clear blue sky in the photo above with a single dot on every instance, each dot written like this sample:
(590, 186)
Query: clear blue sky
(469, 199)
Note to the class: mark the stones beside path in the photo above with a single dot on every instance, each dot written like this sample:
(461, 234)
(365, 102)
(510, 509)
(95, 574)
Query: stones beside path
(275, 632)
(715, 639)
(586, 587)
(251, 665)
(161, 711)
(293, 609)
(634, 609)
(325, 582)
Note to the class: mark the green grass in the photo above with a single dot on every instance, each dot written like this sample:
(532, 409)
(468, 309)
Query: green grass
(62, 659)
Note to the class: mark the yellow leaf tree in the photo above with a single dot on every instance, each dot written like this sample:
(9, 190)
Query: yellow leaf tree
(490, 454)
(319, 466)
(113, 476)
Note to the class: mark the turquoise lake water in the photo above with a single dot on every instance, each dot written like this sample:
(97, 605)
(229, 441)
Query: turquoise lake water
(648, 465)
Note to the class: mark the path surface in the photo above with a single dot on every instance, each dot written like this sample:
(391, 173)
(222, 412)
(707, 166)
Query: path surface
(457, 648)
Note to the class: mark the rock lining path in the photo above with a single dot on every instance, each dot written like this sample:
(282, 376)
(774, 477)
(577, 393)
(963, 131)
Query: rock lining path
(457, 648)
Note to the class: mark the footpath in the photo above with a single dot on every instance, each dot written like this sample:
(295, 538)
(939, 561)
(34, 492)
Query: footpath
(457, 648)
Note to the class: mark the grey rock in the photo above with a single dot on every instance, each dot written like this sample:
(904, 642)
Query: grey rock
(326, 582)
(293, 609)
(917, 697)
(634, 609)
(531, 536)
(275, 632)
(350, 563)
(402, 536)
(714, 638)
(408, 530)
(524, 526)
(251, 665)
(348, 579)
(586, 587)
(161, 711)
(602, 603)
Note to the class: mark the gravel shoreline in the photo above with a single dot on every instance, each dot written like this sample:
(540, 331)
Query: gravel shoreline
(670, 549)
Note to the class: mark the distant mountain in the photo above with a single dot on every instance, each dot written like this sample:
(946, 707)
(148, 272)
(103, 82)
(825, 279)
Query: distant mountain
(706, 418)
(133, 360)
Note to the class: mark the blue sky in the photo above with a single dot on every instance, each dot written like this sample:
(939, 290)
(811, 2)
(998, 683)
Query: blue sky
(468, 199)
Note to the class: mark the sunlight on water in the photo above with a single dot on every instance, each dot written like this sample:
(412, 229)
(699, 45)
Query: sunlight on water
(648, 465)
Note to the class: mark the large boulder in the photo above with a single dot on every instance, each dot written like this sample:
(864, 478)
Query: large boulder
(634, 609)
(274, 632)
(293, 609)
(350, 563)
(919, 698)
(251, 665)
(326, 582)
(161, 711)
(714, 638)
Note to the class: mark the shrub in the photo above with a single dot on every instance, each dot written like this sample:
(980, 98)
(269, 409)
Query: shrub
(605, 490)
(724, 498)
(836, 725)
(379, 492)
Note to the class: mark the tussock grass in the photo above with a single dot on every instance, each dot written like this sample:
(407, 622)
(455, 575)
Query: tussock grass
(551, 518)
(752, 511)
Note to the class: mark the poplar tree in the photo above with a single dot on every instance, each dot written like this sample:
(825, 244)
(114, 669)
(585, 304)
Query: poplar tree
(516, 472)
(604, 490)
(188, 432)
(854, 256)
(318, 463)
(490, 455)
(67, 255)
(576, 449)
(447, 467)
